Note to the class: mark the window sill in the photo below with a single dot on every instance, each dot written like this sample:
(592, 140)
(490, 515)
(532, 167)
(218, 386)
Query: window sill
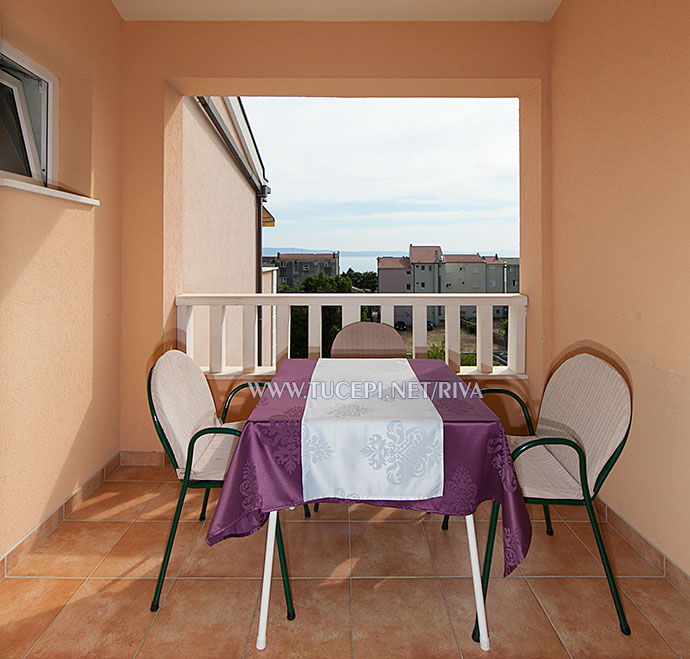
(48, 192)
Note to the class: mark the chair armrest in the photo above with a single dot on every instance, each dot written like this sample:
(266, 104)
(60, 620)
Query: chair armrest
(215, 430)
(246, 385)
(523, 405)
(558, 441)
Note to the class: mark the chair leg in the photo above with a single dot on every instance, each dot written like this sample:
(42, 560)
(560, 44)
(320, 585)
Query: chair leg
(547, 517)
(316, 507)
(625, 628)
(202, 517)
(444, 524)
(168, 548)
(307, 512)
(284, 571)
(488, 555)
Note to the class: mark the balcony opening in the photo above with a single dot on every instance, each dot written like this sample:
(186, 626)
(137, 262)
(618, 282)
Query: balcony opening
(371, 177)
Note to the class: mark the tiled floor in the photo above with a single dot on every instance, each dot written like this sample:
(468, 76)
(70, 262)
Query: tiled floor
(367, 582)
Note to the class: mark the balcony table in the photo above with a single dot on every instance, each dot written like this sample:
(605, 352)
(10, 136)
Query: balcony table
(265, 472)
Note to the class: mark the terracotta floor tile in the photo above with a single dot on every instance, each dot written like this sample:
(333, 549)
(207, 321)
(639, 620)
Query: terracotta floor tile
(400, 618)
(203, 618)
(74, 549)
(328, 512)
(583, 613)
(625, 561)
(105, 619)
(389, 550)
(366, 512)
(140, 550)
(450, 550)
(316, 550)
(321, 627)
(666, 608)
(115, 502)
(483, 513)
(234, 557)
(570, 513)
(28, 606)
(162, 504)
(561, 554)
(518, 627)
(126, 473)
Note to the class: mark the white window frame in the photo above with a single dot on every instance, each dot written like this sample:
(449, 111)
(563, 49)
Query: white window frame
(51, 138)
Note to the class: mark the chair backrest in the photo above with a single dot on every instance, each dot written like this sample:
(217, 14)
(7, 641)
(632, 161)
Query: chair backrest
(588, 401)
(368, 340)
(181, 402)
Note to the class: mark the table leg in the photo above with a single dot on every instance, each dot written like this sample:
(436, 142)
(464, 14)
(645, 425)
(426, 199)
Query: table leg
(477, 582)
(266, 584)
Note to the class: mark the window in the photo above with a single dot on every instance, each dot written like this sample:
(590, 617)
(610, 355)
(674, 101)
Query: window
(448, 284)
(282, 264)
(492, 283)
(28, 117)
(283, 280)
(475, 270)
(475, 284)
(423, 268)
(305, 267)
(423, 284)
(407, 287)
(408, 273)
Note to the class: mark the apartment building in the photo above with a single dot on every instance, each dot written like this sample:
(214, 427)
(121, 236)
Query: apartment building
(293, 269)
(429, 270)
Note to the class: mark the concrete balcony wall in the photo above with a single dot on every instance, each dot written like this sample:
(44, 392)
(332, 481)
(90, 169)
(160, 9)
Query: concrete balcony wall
(621, 238)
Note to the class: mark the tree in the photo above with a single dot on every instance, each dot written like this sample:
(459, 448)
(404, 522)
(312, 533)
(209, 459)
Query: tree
(367, 281)
(331, 317)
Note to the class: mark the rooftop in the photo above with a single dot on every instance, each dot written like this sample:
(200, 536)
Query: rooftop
(425, 253)
(389, 262)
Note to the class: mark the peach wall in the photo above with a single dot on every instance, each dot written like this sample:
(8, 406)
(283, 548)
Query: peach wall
(60, 274)
(621, 238)
(310, 59)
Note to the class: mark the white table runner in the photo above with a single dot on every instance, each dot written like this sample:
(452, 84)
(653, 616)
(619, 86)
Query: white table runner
(368, 432)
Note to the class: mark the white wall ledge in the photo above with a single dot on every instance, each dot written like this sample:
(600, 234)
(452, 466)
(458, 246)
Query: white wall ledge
(466, 372)
(34, 188)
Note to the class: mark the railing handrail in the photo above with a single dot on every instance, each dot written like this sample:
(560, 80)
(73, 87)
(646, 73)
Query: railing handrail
(363, 299)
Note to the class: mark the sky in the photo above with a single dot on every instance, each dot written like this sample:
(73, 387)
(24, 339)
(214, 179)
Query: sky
(379, 174)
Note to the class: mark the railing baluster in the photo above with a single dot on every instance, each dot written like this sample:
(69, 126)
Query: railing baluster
(249, 325)
(516, 338)
(419, 331)
(217, 338)
(485, 338)
(351, 314)
(387, 314)
(314, 331)
(185, 329)
(282, 333)
(453, 336)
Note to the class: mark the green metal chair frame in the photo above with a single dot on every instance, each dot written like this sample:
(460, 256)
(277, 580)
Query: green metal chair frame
(187, 484)
(587, 501)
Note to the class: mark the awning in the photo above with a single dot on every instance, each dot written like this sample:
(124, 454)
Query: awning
(267, 220)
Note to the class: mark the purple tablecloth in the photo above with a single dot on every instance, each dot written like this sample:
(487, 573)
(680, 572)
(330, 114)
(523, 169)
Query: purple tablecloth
(265, 472)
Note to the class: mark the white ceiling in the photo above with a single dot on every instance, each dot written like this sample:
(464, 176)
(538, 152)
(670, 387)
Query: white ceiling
(336, 10)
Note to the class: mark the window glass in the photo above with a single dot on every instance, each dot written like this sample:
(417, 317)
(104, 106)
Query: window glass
(24, 114)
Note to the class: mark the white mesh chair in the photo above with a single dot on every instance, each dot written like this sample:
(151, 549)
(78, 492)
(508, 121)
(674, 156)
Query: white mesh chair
(583, 425)
(364, 340)
(198, 444)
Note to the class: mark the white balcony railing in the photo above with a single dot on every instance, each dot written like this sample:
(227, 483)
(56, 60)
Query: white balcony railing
(223, 328)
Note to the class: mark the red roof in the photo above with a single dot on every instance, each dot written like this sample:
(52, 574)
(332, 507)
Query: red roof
(463, 258)
(306, 256)
(493, 260)
(425, 253)
(393, 262)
